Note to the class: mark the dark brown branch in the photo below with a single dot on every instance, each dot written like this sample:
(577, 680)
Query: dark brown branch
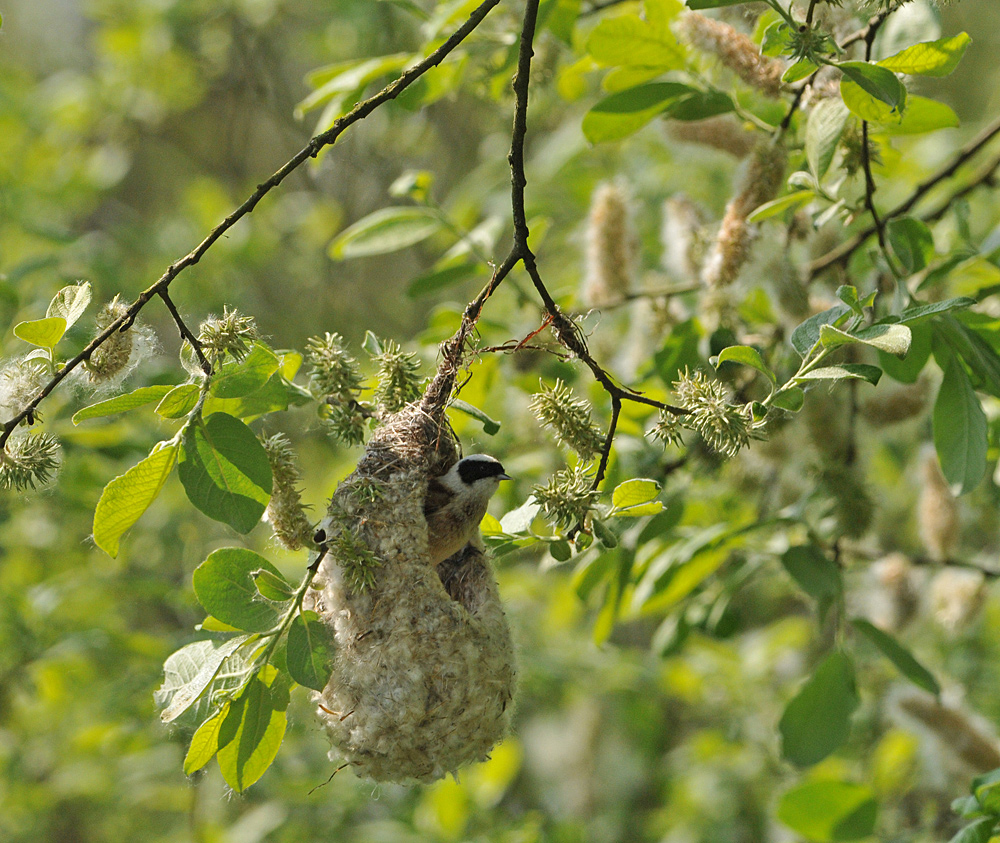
(843, 252)
(866, 161)
(185, 332)
(327, 138)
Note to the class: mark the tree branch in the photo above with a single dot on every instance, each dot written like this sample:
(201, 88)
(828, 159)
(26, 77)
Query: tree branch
(327, 138)
(843, 252)
(185, 332)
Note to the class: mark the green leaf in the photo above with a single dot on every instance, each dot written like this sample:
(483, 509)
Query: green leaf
(679, 352)
(798, 71)
(372, 344)
(122, 403)
(922, 115)
(272, 586)
(179, 401)
(815, 573)
(930, 58)
(128, 496)
(712, 4)
(747, 356)
(844, 371)
(519, 520)
(41, 332)
(829, 811)
(901, 657)
(960, 429)
(225, 471)
(986, 792)
(490, 426)
(790, 398)
(920, 311)
(70, 303)
(190, 671)
(560, 550)
(848, 294)
(979, 831)
(309, 652)
(911, 241)
(875, 81)
(699, 105)
(604, 534)
(818, 719)
(890, 338)
(629, 40)
(256, 720)
(823, 130)
(635, 499)
(909, 369)
(782, 204)
(442, 279)
(975, 351)
(237, 379)
(386, 230)
(624, 113)
(224, 585)
(205, 742)
(634, 492)
(273, 396)
(806, 335)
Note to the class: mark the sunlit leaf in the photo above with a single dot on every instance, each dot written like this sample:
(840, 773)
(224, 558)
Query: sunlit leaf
(829, 811)
(930, 58)
(127, 497)
(224, 585)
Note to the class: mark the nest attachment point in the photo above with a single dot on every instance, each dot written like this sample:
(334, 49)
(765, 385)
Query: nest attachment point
(423, 667)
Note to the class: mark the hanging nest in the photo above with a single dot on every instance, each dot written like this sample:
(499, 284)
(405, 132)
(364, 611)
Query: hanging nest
(423, 665)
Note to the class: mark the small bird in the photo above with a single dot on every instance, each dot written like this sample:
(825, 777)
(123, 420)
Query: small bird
(456, 503)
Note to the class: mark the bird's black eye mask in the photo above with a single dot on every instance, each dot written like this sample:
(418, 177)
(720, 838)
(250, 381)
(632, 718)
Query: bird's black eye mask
(472, 470)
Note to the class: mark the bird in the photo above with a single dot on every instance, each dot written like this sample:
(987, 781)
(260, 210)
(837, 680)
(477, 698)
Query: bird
(456, 502)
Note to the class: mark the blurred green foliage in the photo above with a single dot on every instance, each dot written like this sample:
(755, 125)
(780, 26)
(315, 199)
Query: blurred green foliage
(655, 674)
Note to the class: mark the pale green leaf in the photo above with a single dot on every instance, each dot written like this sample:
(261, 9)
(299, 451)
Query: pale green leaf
(41, 332)
(127, 497)
(122, 403)
(205, 742)
(386, 230)
(70, 303)
(930, 58)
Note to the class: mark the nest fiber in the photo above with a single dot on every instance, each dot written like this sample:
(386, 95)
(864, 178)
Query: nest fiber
(423, 670)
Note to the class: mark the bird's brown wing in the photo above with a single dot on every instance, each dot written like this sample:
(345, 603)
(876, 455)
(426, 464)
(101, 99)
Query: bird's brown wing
(437, 496)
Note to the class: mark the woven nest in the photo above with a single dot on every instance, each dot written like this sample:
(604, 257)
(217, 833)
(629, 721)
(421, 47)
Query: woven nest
(423, 670)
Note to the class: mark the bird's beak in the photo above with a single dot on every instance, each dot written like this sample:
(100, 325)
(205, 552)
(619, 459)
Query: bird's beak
(504, 477)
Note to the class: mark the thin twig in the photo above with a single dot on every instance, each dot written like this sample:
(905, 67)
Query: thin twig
(843, 252)
(186, 333)
(327, 138)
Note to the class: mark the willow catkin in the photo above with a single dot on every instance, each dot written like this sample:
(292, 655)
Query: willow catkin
(679, 238)
(763, 179)
(735, 50)
(959, 731)
(937, 512)
(722, 133)
(956, 596)
(611, 247)
(898, 405)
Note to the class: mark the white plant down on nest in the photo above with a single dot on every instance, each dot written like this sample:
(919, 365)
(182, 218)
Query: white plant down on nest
(423, 674)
